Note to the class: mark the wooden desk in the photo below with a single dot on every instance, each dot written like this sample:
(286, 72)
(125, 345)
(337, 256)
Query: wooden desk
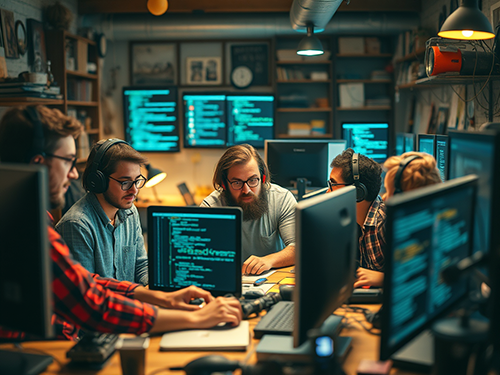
(364, 346)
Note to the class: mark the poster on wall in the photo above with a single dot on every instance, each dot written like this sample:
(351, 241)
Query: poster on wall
(153, 63)
(9, 34)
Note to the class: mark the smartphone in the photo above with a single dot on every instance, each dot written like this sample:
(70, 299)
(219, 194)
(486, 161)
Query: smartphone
(260, 281)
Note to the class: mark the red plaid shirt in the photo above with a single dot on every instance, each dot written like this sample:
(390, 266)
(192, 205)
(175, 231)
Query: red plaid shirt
(88, 301)
(372, 243)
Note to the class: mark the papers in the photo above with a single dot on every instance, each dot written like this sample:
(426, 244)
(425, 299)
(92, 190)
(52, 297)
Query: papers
(217, 338)
(250, 279)
(251, 288)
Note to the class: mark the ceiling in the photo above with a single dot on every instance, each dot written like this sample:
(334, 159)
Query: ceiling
(239, 6)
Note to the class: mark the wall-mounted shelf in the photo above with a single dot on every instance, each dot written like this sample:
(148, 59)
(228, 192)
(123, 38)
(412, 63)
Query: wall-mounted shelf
(363, 55)
(14, 101)
(303, 81)
(366, 108)
(364, 81)
(301, 62)
(304, 109)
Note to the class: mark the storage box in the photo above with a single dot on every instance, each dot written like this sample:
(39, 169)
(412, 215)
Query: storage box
(352, 95)
(299, 128)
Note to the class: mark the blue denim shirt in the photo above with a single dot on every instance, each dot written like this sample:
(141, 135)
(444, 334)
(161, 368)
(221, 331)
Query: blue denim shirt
(110, 251)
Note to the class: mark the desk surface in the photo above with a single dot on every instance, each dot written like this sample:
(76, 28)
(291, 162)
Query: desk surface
(364, 346)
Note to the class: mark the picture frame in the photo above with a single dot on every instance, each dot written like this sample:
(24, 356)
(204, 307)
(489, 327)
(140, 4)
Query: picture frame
(9, 34)
(22, 40)
(203, 71)
(153, 63)
(37, 54)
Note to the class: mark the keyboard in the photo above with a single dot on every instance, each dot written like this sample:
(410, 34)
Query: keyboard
(93, 348)
(278, 321)
(366, 296)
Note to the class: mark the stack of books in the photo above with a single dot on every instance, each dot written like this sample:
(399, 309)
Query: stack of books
(28, 89)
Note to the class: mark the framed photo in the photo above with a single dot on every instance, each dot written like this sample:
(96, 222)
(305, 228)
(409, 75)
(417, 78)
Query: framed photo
(9, 34)
(203, 71)
(153, 63)
(22, 40)
(37, 55)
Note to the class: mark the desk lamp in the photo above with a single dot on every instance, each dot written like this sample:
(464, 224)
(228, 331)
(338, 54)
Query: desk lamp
(467, 23)
(155, 176)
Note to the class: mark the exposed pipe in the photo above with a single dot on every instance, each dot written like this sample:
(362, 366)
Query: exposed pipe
(315, 12)
(124, 27)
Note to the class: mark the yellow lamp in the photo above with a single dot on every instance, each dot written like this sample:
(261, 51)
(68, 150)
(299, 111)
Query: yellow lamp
(467, 23)
(157, 7)
(155, 176)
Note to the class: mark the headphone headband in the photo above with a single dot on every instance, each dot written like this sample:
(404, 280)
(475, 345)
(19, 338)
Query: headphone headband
(399, 174)
(38, 143)
(361, 191)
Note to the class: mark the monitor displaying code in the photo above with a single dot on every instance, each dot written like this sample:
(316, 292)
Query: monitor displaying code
(442, 151)
(150, 118)
(426, 144)
(250, 119)
(205, 120)
(369, 139)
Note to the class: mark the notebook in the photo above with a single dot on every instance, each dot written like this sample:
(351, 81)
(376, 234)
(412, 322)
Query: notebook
(217, 338)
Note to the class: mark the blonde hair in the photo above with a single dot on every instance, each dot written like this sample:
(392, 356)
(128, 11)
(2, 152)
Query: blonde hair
(419, 173)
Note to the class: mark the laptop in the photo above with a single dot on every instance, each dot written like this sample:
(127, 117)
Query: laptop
(198, 246)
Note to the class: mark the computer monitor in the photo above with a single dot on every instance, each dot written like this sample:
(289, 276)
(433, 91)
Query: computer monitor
(400, 143)
(426, 143)
(426, 230)
(325, 258)
(479, 153)
(289, 160)
(250, 119)
(25, 268)
(198, 246)
(369, 139)
(150, 118)
(409, 142)
(442, 153)
(204, 120)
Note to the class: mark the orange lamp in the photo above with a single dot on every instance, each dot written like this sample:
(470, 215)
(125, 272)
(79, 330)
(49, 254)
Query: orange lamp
(157, 7)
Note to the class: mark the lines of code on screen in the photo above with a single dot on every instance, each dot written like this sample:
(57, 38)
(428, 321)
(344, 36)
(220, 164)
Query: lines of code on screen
(151, 122)
(205, 120)
(195, 249)
(371, 140)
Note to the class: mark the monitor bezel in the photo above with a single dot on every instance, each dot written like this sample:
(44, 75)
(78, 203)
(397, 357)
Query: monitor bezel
(401, 200)
(197, 210)
(174, 89)
(388, 148)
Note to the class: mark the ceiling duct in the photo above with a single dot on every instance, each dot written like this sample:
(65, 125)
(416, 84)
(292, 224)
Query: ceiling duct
(315, 12)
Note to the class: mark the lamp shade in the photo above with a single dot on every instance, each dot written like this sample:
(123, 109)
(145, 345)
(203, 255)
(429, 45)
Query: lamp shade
(467, 23)
(157, 7)
(310, 46)
(155, 176)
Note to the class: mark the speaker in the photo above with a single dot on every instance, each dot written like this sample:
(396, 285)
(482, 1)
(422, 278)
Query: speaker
(399, 173)
(96, 181)
(439, 60)
(361, 191)
(38, 143)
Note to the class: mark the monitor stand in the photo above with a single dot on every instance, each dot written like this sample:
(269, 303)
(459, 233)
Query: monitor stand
(417, 355)
(21, 363)
(281, 347)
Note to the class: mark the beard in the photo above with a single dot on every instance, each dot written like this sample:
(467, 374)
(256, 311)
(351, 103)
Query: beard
(252, 210)
(115, 202)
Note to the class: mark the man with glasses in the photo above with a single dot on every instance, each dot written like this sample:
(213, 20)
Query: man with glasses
(370, 211)
(103, 229)
(242, 179)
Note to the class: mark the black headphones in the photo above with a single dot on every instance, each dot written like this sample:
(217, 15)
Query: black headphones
(399, 173)
(361, 191)
(96, 181)
(38, 144)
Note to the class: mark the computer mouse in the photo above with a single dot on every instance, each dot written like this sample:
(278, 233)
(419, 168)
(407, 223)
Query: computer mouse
(286, 292)
(196, 301)
(209, 364)
(253, 294)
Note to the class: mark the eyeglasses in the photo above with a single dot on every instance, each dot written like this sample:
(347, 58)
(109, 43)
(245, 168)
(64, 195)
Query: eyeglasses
(126, 185)
(69, 160)
(332, 184)
(251, 182)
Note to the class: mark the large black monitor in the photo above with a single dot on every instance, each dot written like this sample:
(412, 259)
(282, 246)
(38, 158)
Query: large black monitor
(442, 155)
(325, 255)
(289, 160)
(150, 118)
(25, 268)
(250, 119)
(198, 246)
(426, 230)
(426, 143)
(409, 142)
(205, 120)
(369, 139)
(479, 153)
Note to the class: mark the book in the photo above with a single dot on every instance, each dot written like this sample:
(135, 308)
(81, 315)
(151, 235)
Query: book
(217, 338)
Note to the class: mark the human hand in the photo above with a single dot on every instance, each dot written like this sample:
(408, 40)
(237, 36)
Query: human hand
(368, 277)
(255, 265)
(219, 310)
(180, 299)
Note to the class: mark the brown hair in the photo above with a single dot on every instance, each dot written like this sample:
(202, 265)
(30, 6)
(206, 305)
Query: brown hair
(235, 155)
(109, 161)
(16, 132)
(419, 173)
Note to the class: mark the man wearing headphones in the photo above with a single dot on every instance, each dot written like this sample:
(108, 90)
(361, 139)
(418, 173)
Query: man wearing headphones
(242, 179)
(103, 229)
(350, 168)
(80, 299)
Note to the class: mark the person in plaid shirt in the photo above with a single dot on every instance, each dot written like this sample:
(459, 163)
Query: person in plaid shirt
(81, 299)
(370, 213)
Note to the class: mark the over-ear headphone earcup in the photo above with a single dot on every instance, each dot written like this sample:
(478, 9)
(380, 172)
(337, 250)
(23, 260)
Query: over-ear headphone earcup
(223, 185)
(263, 178)
(97, 182)
(361, 192)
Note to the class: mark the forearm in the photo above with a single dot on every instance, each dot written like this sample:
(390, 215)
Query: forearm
(153, 297)
(283, 258)
(170, 320)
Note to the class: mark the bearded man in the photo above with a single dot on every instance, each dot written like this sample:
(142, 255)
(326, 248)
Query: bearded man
(242, 179)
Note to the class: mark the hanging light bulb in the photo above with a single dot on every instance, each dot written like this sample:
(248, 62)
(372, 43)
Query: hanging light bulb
(157, 7)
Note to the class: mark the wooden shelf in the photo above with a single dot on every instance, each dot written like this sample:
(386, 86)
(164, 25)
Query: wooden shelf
(367, 108)
(81, 75)
(78, 37)
(14, 101)
(78, 103)
(454, 80)
(303, 81)
(304, 109)
(364, 80)
(317, 62)
(364, 55)
(287, 136)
